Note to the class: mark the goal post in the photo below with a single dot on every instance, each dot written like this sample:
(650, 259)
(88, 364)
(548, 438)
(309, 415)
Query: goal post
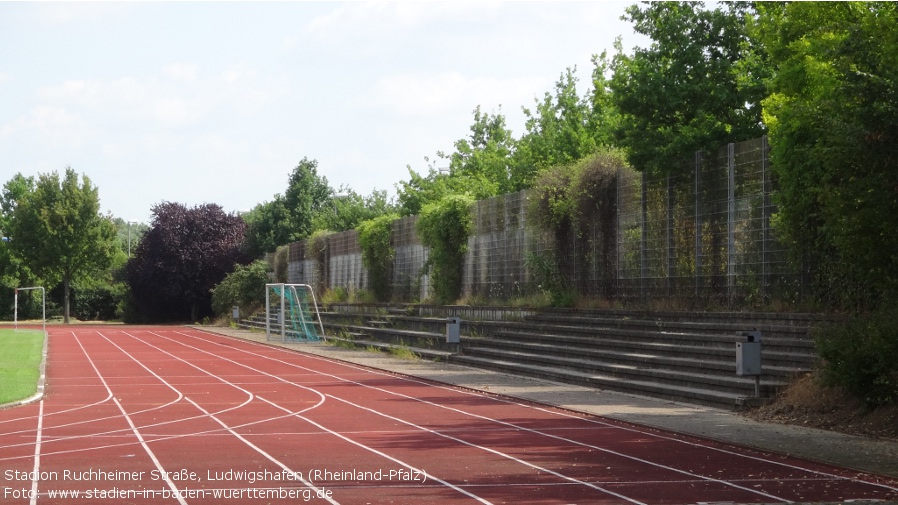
(15, 316)
(291, 312)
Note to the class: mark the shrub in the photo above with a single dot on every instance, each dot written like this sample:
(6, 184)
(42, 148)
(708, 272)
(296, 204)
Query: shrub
(316, 249)
(444, 227)
(244, 287)
(377, 255)
(859, 355)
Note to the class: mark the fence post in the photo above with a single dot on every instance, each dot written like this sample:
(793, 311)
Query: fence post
(670, 238)
(731, 221)
(765, 219)
(643, 241)
(698, 225)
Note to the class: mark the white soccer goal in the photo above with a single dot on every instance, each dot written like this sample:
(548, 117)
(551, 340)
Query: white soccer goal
(15, 316)
(292, 311)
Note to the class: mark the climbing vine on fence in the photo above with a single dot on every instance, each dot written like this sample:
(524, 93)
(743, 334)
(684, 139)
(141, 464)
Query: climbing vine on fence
(444, 227)
(377, 253)
(567, 201)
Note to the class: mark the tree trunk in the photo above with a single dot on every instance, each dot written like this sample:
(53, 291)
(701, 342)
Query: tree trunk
(66, 282)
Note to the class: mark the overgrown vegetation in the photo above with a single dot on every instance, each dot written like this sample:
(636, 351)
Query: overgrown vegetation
(576, 205)
(377, 253)
(860, 356)
(244, 287)
(444, 228)
(316, 249)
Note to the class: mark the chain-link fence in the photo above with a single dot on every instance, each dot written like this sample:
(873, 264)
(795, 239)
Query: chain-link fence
(699, 235)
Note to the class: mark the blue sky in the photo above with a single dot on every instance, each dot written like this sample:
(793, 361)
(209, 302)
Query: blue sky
(212, 102)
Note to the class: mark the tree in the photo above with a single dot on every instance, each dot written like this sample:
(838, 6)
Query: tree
(833, 122)
(486, 153)
(185, 253)
(419, 191)
(344, 209)
(58, 232)
(697, 87)
(12, 272)
(306, 194)
(268, 225)
(563, 128)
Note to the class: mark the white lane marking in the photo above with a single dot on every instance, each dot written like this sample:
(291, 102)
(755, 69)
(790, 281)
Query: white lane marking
(37, 454)
(492, 451)
(339, 435)
(384, 455)
(529, 430)
(269, 457)
(134, 429)
(559, 412)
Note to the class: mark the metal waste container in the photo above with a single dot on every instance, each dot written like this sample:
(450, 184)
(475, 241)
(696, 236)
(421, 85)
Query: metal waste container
(453, 326)
(748, 354)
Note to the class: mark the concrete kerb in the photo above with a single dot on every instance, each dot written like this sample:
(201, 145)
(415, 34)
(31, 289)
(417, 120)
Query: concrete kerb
(876, 456)
(41, 381)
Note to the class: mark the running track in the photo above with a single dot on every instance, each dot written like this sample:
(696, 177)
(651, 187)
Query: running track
(151, 415)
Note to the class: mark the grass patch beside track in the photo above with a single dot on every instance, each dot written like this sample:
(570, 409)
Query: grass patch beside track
(20, 362)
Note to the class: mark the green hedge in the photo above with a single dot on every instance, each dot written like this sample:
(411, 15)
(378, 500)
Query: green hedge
(861, 356)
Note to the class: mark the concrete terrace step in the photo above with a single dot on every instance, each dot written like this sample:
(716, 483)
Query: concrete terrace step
(724, 350)
(699, 359)
(669, 356)
(730, 383)
(647, 388)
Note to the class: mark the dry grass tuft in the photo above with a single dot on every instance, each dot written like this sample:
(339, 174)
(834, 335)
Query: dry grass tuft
(807, 403)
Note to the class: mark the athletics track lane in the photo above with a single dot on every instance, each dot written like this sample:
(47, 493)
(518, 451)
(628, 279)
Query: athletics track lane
(141, 401)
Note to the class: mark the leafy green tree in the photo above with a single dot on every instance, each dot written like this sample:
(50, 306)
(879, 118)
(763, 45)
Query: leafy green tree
(268, 225)
(419, 191)
(698, 86)
(345, 209)
(833, 122)
(562, 129)
(307, 193)
(12, 272)
(486, 154)
(58, 232)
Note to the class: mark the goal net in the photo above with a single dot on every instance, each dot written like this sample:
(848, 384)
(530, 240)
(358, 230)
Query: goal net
(291, 313)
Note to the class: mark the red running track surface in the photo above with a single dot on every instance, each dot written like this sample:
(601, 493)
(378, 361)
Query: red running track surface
(149, 415)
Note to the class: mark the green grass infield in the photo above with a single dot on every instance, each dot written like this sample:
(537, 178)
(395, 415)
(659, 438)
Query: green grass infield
(20, 363)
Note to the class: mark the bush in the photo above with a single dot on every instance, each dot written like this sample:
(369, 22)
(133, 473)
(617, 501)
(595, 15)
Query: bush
(444, 227)
(245, 287)
(317, 251)
(859, 355)
(377, 255)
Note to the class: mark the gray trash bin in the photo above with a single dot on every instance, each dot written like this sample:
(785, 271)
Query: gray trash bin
(748, 354)
(453, 326)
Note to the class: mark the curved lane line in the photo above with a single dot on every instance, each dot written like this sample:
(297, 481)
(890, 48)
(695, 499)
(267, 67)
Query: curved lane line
(134, 429)
(500, 398)
(267, 456)
(384, 455)
(518, 427)
(339, 435)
